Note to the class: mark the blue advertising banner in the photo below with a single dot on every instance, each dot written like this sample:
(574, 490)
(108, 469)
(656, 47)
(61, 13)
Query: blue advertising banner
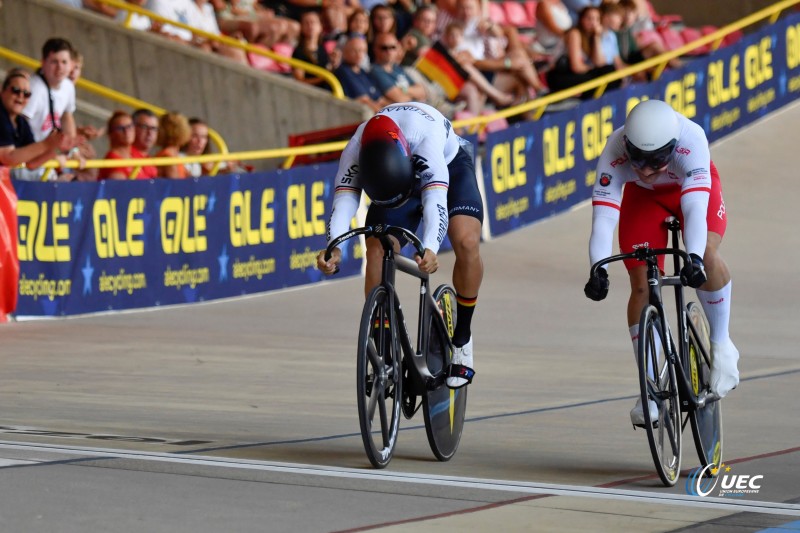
(537, 169)
(88, 247)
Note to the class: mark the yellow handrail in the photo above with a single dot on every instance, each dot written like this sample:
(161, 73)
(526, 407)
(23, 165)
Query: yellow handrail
(325, 74)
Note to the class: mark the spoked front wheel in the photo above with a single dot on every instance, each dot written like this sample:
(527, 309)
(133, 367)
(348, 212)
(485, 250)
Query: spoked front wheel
(444, 409)
(706, 421)
(658, 384)
(378, 381)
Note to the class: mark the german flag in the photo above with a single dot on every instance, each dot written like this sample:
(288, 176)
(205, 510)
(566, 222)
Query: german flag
(439, 66)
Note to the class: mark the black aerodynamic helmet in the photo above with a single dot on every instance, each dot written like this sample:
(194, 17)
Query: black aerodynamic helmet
(385, 169)
(651, 134)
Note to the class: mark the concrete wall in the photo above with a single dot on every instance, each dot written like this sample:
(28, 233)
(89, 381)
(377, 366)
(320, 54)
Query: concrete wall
(251, 109)
(714, 12)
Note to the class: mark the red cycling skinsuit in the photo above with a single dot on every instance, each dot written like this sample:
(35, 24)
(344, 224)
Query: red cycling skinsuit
(689, 189)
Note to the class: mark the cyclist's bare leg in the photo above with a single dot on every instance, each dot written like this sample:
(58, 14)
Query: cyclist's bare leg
(465, 235)
(375, 262)
(639, 293)
(639, 298)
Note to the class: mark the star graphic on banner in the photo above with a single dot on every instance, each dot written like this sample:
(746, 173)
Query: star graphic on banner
(223, 264)
(78, 211)
(212, 201)
(87, 271)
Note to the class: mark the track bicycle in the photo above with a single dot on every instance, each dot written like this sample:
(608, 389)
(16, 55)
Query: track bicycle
(392, 377)
(678, 381)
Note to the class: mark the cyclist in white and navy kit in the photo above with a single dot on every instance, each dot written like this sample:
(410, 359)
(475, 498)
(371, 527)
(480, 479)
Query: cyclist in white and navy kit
(414, 168)
(663, 161)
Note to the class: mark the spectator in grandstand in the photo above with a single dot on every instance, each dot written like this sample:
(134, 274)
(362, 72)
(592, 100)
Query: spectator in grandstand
(121, 134)
(477, 89)
(173, 132)
(611, 18)
(390, 78)
(197, 145)
(145, 125)
(310, 49)
(177, 10)
(498, 52)
(584, 59)
(256, 23)
(52, 103)
(381, 20)
(358, 23)
(421, 35)
(198, 14)
(636, 43)
(640, 18)
(137, 21)
(357, 26)
(17, 143)
(86, 134)
(553, 20)
(334, 24)
(204, 18)
(355, 81)
(446, 12)
(576, 6)
(77, 66)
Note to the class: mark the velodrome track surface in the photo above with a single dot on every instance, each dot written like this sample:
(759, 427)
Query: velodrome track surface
(240, 416)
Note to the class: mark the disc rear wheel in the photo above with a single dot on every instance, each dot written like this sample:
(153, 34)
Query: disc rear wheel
(706, 421)
(444, 408)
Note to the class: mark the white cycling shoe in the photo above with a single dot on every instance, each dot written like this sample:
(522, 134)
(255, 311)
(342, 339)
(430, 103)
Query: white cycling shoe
(724, 372)
(637, 413)
(461, 356)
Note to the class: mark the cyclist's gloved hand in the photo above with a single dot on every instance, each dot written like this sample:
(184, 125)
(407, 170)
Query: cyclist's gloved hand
(597, 287)
(693, 273)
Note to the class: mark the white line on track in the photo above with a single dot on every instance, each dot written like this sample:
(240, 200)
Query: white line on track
(750, 506)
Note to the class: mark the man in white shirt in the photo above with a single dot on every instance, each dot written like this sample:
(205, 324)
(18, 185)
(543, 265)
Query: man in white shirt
(52, 102)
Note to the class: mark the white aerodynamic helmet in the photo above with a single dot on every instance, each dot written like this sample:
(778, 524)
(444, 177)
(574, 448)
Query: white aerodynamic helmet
(651, 134)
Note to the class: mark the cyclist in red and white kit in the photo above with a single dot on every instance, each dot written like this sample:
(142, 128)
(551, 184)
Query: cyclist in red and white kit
(414, 168)
(664, 159)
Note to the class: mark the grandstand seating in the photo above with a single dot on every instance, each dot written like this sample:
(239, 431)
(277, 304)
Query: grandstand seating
(496, 13)
(670, 36)
(663, 20)
(518, 15)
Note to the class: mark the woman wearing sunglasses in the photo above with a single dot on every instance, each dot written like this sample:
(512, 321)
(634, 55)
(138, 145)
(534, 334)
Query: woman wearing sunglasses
(17, 145)
(664, 163)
